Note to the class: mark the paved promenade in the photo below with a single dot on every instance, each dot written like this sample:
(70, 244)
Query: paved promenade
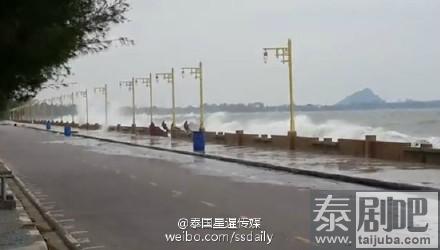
(17, 231)
(115, 196)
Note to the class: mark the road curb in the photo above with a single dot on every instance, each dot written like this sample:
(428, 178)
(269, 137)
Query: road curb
(338, 177)
(26, 221)
(40, 244)
(65, 236)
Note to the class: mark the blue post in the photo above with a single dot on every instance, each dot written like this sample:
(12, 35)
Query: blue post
(198, 141)
(48, 125)
(67, 130)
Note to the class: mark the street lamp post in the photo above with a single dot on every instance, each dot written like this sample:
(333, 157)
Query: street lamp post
(72, 97)
(26, 111)
(148, 81)
(52, 109)
(48, 110)
(286, 55)
(86, 96)
(103, 90)
(131, 86)
(23, 108)
(57, 86)
(36, 110)
(43, 108)
(31, 111)
(61, 107)
(197, 72)
(170, 78)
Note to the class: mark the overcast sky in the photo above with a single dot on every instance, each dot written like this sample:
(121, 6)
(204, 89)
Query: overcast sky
(341, 46)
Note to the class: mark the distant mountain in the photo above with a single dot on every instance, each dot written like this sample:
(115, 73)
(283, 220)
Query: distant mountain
(365, 96)
(365, 99)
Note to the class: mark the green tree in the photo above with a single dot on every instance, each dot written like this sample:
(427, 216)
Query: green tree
(37, 39)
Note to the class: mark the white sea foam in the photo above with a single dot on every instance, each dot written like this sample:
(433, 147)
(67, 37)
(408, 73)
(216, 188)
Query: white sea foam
(274, 123)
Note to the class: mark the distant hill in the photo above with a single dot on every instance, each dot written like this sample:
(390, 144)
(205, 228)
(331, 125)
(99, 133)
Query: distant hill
(365, 96)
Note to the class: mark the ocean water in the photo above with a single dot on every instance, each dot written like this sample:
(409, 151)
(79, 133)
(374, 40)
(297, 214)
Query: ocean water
(387, 125)
(412, 125)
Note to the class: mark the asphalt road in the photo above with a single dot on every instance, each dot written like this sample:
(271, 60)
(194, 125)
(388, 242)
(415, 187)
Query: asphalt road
(122, 197)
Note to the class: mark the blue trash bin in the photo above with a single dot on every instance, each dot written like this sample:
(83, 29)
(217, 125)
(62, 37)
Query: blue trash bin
(198, 141)
(48, 125)
(67, 130)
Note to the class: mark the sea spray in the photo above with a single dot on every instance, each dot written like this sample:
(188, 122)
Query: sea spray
(311, 124)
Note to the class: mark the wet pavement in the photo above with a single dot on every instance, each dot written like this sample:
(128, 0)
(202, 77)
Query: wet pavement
(114, 196)
(397, 172)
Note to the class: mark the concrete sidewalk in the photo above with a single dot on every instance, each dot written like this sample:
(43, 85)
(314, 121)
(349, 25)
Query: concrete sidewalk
(17, 231)
(376, 171)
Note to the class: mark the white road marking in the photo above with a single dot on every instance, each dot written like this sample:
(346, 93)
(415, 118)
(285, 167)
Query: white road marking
(72, 239)
(307, 241)
(93, 247)
(55, 211)
(68, 227)
(83, 240)
(154, 184)
(78, 232)
(57, 215)
(48, 203)
(25, 219)
(176, 193)
(209, 204)
(65, 220)
(41, 195)
(34, 232)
